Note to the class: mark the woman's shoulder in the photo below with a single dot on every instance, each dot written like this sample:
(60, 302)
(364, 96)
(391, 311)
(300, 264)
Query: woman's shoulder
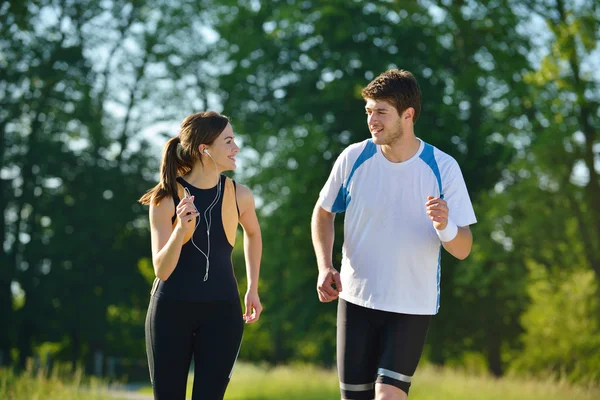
(244, 196)
(167, 203)
(242, 190)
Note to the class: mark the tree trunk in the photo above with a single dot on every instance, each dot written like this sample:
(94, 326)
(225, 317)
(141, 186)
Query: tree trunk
(7, 270)
(75, 348)
(24, 343)
(493, 356)
(6, 333)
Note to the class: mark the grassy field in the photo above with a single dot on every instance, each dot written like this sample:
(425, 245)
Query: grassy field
(60, 384)
(250, 382)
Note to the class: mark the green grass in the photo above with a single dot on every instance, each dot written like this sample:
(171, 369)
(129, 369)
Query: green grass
(251, 382)
(60, 384)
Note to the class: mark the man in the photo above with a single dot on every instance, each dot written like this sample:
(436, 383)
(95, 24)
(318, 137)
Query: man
(402, 197)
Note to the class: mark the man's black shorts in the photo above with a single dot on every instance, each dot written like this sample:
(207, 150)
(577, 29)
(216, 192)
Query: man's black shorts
(375, 346)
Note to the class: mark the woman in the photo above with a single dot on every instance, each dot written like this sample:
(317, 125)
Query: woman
(194, 308)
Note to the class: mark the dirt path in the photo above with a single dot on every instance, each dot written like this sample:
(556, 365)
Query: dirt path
(128, 392)
(129, 395)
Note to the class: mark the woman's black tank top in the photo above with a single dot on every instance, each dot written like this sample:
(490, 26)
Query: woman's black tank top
(187, 282)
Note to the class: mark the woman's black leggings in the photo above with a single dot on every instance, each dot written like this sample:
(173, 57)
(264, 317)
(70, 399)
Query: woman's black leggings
(211, 332)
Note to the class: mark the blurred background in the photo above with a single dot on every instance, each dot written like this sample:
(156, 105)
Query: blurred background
(90, 90)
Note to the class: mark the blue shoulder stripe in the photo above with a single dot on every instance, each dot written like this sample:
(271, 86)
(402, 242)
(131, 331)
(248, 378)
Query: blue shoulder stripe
(429, 158)
(343, 198)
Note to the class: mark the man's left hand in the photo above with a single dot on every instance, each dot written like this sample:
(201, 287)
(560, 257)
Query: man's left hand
(437, 210)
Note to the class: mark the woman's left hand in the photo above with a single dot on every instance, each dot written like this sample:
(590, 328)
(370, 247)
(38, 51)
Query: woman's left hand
(253, 307)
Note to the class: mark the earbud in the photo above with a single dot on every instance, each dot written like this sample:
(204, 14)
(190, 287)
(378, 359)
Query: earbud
(206, 151)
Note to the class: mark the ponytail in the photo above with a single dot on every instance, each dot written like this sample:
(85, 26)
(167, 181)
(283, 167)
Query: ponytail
(171, 166)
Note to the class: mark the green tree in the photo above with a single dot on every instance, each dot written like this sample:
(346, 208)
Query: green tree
(548, 216)
(563, 332)
(563, 118)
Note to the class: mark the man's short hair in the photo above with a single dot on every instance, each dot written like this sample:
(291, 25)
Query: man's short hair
(398, 87)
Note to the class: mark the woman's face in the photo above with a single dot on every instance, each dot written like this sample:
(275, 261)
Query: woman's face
(223, 150)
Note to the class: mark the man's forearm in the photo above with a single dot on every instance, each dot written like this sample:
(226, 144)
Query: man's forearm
(460, 246)
(323, 236)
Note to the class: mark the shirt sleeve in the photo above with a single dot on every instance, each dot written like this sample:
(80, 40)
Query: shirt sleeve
(332, 197)
(457, 196)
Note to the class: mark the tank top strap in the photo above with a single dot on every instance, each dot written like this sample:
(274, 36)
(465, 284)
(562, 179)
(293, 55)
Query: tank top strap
(229, 210)
(235, 193)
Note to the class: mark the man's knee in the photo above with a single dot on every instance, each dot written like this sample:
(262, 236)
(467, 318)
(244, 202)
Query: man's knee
(389, 392)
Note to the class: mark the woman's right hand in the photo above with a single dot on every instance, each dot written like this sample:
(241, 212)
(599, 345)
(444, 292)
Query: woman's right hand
(186, 212)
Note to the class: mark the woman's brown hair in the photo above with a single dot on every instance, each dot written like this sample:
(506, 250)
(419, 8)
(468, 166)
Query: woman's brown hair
(181, 152)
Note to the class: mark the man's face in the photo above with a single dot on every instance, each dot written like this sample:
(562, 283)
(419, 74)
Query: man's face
(383, 121)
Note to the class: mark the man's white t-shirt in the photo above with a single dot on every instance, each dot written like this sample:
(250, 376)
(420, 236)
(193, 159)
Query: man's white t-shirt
(391, 252)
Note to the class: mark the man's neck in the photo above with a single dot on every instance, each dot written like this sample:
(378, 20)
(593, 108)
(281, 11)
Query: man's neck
(401, 149)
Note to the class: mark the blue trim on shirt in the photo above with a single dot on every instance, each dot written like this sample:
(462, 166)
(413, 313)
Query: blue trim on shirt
(342, 199)
(439, 278)
(429, 158)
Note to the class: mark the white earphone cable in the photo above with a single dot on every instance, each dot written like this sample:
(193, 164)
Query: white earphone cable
(208, 220)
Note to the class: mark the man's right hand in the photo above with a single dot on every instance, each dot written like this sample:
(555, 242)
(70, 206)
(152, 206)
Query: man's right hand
(325, 285)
